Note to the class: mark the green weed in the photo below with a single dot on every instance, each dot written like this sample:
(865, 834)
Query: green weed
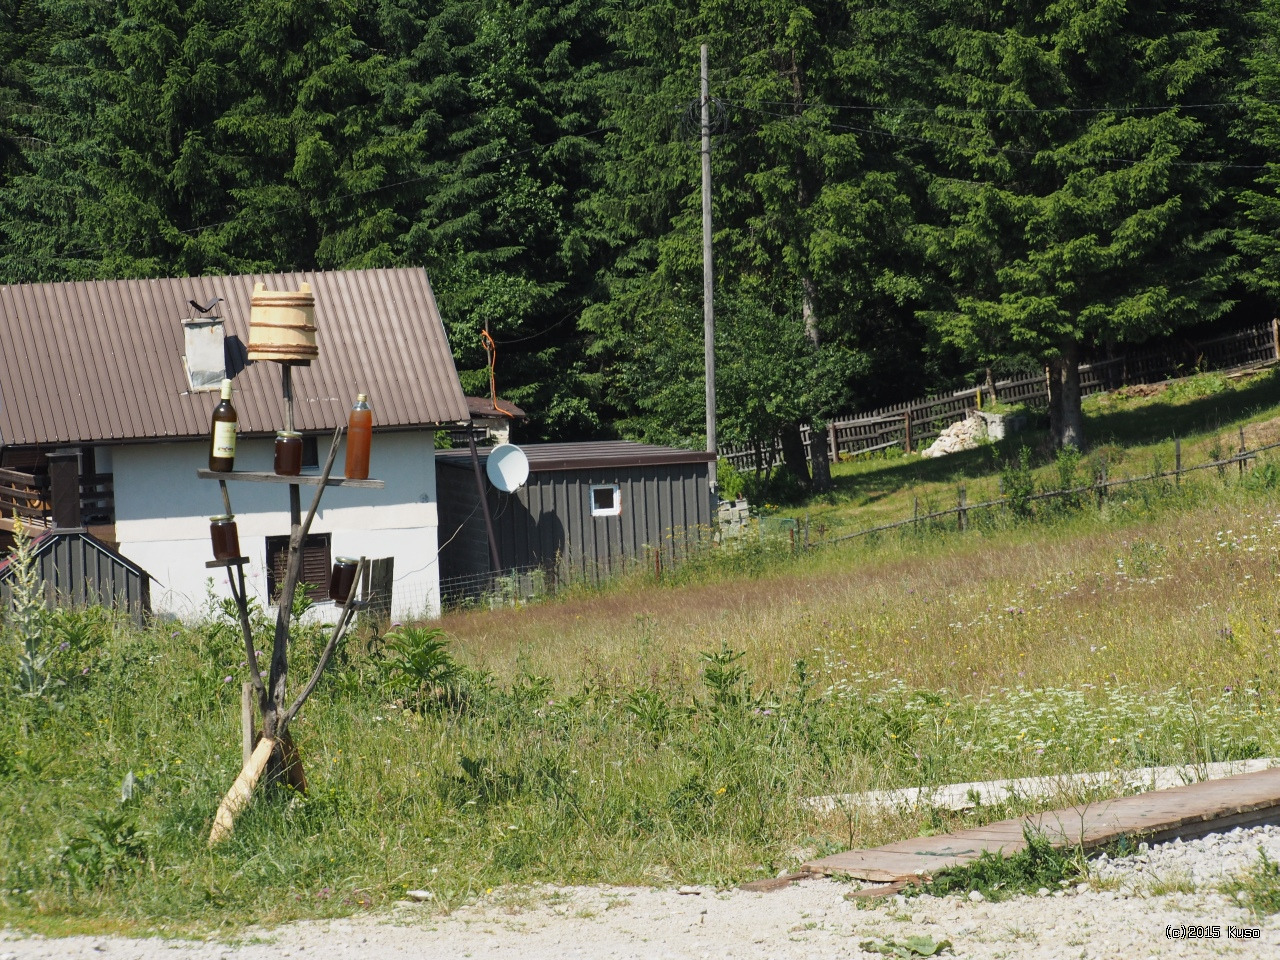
(1259, 888)
(1038, 865)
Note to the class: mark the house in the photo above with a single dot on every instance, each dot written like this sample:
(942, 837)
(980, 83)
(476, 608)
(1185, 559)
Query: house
(587, 510)
(121, 376)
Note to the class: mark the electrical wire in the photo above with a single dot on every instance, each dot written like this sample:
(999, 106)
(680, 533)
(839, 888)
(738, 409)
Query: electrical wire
(983, 111)
(1216, 164)
(491, 350)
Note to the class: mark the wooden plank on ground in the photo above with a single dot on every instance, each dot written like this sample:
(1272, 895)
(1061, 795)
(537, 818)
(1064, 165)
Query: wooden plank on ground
(1186, 811)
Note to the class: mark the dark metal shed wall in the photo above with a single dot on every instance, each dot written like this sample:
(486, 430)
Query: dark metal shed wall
(548, 521)
(77, 573)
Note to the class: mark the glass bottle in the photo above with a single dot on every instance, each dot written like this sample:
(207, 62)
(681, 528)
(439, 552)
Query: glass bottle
(222, 433)
(342, 579)
(225, 537)
(288, 462)
(359, 436)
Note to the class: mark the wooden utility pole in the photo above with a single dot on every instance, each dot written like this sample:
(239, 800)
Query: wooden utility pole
(708, 288)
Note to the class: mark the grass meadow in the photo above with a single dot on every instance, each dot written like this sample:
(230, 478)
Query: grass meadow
(648, 732)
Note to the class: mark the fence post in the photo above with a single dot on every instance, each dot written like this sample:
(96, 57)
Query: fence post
(915, 515)
(1241, 454)
(1275, 336)
(906, 420)
(960, 510)
(1101, 482)
(832, 444)
(1177, 461)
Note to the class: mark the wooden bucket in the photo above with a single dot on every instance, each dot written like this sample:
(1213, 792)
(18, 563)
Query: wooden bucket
(282, 325)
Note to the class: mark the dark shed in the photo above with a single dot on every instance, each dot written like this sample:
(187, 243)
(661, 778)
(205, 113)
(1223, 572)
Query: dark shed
(588, 510)
(79, 570)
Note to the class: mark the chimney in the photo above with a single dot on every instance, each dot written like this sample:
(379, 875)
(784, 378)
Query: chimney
(64, 489)
(206, 358)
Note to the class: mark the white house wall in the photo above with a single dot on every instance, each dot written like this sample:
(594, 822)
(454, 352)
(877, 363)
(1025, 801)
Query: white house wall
(163, 510)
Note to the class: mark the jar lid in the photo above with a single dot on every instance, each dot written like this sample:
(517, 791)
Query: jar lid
(223, 518)
(288, 434)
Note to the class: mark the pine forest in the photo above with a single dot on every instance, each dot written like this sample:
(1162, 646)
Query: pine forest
(907, 195)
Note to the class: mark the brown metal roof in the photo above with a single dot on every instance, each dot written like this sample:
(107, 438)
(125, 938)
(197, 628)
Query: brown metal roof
(103, 360)
(586, 455)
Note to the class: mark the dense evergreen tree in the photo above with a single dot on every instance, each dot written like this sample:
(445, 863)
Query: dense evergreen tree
(901, 191)
(801, 197)
(1081, 203)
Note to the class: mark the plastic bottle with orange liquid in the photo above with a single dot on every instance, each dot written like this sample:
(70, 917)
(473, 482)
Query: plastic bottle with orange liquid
(359, 438)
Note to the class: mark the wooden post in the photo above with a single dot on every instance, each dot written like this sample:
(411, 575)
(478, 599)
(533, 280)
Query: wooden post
(832, 444)
(915, 514)
(1275, 337)
(960, 511)
(1177, 461)
(246, 722)
(1242, 450)
(906, 420)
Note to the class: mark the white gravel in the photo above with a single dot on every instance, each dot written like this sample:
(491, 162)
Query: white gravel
(1124, 913)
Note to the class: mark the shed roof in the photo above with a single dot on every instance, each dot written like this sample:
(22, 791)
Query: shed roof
(484, 407)
(586, 455)
(103, 360)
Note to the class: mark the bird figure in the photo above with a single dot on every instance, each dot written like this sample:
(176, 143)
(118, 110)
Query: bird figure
(206, 307)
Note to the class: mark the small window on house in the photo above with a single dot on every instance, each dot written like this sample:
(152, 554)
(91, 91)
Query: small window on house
(606, 500)
(315, 566)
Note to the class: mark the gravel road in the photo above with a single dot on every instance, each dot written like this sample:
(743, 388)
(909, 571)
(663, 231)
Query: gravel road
(1127, 913)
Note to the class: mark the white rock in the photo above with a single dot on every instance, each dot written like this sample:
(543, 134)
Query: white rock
(688, 891)
(975, 896)
(419, 896)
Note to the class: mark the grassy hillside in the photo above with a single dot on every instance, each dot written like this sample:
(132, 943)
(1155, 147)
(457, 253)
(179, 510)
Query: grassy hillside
(665, 732)
(1131, 431)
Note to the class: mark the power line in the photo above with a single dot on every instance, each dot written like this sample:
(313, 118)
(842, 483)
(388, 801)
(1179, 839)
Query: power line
(1216, 164)
(985, 111)
(371, 190)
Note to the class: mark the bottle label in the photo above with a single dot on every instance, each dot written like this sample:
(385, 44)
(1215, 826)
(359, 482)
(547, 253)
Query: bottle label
(224, 440)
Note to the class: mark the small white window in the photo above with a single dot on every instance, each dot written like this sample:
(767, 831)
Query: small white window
(606, 500)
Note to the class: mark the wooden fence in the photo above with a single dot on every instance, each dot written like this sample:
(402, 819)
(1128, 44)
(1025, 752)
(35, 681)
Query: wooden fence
(911, 425)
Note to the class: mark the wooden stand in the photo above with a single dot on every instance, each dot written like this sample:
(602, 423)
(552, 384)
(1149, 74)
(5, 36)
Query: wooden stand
(275, 753)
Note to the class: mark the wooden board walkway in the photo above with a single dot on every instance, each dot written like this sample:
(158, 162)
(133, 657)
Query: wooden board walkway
(1187, 812)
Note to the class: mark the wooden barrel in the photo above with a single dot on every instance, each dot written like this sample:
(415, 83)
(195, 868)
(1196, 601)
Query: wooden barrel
(282, 325)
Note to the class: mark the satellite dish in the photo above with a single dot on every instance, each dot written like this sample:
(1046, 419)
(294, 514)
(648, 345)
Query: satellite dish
(508, 467)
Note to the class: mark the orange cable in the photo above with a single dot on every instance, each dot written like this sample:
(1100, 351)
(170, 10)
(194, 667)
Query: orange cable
(491, 349)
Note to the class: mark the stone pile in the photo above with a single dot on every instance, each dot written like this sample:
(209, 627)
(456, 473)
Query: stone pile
(961, 435)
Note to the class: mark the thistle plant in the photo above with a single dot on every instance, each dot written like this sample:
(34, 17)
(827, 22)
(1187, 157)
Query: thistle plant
(25, 620)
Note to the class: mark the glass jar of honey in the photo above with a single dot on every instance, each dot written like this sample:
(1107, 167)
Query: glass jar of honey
(342, 579)
(225, 537)
(288, 453)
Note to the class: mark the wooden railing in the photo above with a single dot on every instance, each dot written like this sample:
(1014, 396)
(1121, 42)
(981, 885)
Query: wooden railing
(912, 424)
(25, 495)
(97, 499)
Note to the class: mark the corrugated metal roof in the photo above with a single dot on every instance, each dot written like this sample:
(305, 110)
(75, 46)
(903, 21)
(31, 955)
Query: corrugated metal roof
(103, 360)
(586, 455)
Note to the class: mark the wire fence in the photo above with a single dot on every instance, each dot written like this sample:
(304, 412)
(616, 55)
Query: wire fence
(910, 425)
(1099, 487)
